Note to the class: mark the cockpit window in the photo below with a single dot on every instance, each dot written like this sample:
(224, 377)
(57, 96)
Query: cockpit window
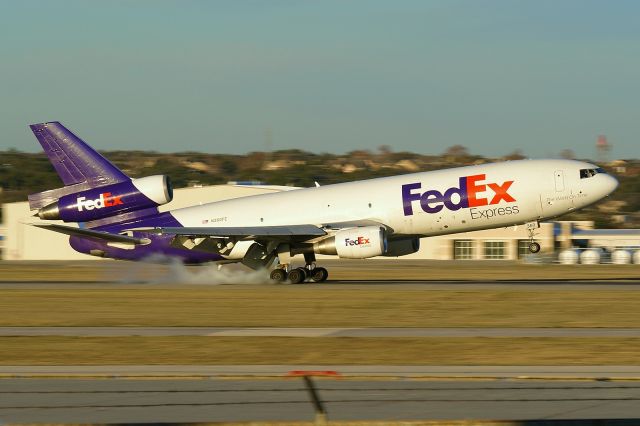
(587, 173)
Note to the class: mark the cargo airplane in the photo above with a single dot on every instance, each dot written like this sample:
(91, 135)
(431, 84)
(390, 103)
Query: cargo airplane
(118, 216)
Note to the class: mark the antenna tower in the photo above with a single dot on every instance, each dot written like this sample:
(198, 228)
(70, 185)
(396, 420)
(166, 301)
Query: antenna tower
(603, 148)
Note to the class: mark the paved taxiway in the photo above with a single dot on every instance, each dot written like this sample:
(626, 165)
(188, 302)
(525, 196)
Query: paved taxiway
(82, 401)
(318, 332)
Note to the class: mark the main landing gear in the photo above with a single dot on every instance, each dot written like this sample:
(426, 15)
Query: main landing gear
(299, 275)
(310, 272)
(534, 247)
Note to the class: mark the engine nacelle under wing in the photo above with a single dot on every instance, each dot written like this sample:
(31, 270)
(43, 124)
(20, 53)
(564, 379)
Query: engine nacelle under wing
(402, 246)
(354, 243)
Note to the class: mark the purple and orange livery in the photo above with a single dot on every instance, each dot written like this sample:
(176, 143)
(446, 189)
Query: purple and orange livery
(118, 217)
(94, 187)
(102, 198)
(470, 191)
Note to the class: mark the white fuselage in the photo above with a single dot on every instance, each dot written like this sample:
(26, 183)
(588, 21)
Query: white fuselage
(424, 204)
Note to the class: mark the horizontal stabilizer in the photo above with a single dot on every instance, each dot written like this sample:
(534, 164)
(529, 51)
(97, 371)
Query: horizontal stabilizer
(44, 198)
(100, 235)
(245, 231)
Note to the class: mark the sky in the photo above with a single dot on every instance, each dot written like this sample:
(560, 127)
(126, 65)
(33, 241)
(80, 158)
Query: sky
(495, 76)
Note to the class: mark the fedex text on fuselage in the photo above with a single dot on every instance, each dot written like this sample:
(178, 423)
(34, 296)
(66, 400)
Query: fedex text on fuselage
(471, 192)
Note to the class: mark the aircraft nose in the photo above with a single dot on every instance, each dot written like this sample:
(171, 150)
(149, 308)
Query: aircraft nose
(610, 184)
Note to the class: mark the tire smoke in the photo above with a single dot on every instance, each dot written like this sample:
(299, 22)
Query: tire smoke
(164, 270)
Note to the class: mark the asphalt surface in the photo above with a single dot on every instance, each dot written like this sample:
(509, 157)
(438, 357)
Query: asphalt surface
(108, 394)
(318, 332)
(621, 284)
(109, 401)
(577, 372)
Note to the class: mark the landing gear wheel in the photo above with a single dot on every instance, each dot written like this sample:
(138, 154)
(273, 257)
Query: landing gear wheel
(278, 275)
(307, 273)
(298, 275)
(319, 275)
(534, 247)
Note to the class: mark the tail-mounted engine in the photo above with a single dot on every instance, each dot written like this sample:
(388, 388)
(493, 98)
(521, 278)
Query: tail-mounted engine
(110, 200)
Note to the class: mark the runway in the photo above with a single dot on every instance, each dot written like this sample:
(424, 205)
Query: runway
(341, 271)
(110, 401)
(390, 372)
(378, 284)
(319, 332)
(200, 393)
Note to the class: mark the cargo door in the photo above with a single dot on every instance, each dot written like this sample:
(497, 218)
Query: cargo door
(559, 177)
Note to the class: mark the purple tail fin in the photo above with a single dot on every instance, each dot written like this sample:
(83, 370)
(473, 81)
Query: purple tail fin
(74, 160)
(79, 166)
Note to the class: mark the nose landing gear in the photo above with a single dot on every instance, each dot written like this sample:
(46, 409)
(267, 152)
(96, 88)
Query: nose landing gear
(534, 247)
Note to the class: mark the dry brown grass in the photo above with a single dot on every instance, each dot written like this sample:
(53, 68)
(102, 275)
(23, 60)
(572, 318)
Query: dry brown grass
(317, 351)
(306, 306)
(320, 306)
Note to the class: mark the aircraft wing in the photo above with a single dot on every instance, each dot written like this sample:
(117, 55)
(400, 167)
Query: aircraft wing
(279, 232)
(100, 235)
(355, 224)
(273, 233)
(246, 232)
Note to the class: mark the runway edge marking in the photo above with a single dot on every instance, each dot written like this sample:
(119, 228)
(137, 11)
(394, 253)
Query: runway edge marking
(346, 377)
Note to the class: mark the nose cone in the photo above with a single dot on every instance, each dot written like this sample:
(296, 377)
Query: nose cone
(609, 184)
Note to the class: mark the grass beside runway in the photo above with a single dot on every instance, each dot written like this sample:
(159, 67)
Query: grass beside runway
(184, 350)
(317, 306)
